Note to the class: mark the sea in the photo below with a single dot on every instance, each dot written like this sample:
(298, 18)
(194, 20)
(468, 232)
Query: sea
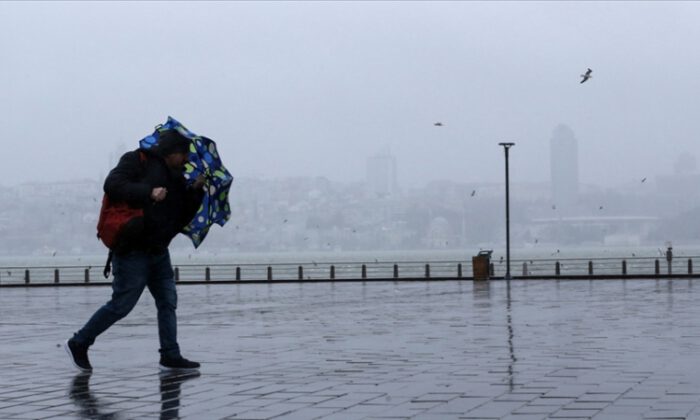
(528, 253)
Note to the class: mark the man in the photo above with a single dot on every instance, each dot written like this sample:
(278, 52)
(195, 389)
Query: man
(152, 180)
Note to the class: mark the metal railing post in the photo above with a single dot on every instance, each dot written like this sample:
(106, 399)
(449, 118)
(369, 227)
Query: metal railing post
(269, 273)
(590, 268)
(207, 274)
(364, 271)
(56, 275)
(459, 270)
(238, 273)
(557, 269)
(301, 273)
(332, 272)
(396, 271)
(87, 275)
(624, 267)
(427, 271)
(657, 268)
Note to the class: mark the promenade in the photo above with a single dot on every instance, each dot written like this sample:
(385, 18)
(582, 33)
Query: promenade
(524, 349)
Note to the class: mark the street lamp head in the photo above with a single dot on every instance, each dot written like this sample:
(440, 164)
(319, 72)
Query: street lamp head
(506, 145)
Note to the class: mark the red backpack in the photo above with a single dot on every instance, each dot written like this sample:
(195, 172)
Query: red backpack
(114, 216)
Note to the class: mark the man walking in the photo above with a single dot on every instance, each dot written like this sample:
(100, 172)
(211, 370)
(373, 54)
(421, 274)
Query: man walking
(153, 181)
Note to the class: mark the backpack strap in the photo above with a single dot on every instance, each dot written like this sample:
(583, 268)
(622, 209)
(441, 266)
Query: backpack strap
(108, 265)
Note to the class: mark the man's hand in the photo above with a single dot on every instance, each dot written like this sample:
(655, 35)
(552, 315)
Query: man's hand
(199, 182)
(158, 194)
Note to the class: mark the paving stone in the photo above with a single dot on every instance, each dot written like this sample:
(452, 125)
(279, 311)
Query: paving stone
(493, 409)
(438, 350)
(569, 414)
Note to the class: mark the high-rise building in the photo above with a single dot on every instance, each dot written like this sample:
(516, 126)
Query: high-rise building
(381, 174)
(564, 168)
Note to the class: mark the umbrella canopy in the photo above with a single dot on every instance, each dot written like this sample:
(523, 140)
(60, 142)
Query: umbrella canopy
(204, 160)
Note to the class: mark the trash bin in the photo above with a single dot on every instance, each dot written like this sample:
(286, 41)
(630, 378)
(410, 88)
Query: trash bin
(480, 265)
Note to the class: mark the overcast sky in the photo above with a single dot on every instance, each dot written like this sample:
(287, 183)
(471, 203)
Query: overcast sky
(315, 88)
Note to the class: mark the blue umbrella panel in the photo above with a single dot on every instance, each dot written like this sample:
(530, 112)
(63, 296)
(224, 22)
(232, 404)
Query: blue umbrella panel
(204, 160)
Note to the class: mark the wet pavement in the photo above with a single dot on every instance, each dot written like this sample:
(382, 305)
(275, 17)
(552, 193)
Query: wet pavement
(530, 349)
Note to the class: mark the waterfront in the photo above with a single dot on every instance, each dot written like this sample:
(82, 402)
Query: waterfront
(384, 265)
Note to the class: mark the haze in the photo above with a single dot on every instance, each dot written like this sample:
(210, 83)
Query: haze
(316, 88)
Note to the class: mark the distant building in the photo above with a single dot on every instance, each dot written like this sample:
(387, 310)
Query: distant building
(564, 168)
(679, 191)
(381, 175)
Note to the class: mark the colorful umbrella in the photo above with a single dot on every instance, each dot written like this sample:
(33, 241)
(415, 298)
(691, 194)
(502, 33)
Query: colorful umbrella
(204, 159)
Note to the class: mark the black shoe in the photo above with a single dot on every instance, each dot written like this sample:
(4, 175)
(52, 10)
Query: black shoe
(177, 363)
(78, 355)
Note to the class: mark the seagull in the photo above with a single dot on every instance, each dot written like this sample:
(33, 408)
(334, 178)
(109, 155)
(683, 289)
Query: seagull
(587, 75)
(643, 179)
(438, 124)
(600, 208)
(473, 193)
(554, 206)
(285, 221)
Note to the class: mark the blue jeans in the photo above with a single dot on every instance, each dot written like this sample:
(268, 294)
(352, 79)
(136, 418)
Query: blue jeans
(132, 273)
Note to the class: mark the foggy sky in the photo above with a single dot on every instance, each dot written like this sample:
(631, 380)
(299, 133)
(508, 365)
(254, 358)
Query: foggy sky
(316, 88)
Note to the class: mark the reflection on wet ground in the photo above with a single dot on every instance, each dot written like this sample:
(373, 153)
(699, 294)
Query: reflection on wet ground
(613, 349)
(170, 383)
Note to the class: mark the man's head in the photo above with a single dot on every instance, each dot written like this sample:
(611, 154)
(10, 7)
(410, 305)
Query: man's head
(174, 148)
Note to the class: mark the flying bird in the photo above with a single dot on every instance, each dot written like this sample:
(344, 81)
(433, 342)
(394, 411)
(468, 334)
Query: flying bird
(600, 208)
(473, 193)
(438, 124)
(643, 179)
(586, 75)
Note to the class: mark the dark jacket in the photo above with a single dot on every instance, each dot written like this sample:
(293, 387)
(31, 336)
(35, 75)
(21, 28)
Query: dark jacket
(132, 181)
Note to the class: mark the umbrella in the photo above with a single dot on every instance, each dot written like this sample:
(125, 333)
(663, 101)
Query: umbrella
(203, 160)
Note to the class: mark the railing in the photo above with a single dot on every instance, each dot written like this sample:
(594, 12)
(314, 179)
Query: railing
(367, 271)
(598, 267)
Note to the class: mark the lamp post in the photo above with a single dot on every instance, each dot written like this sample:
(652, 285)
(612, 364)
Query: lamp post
(507, 146)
